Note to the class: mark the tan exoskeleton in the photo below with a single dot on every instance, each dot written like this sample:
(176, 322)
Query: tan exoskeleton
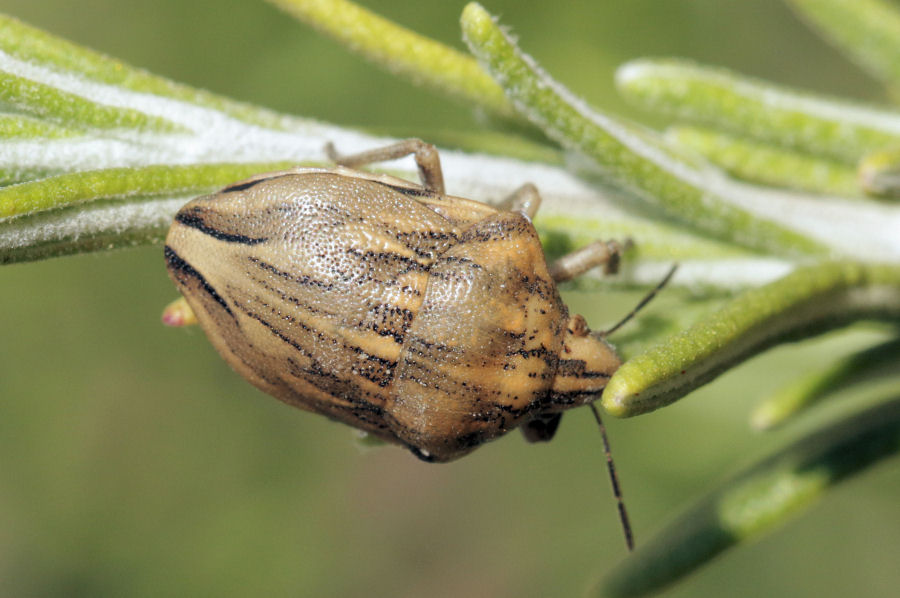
(428, 320)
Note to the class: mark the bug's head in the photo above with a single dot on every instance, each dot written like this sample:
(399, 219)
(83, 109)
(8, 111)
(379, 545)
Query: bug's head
(586, 363)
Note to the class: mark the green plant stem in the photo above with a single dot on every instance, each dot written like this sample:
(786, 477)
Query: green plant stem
(809, 301)
(749, 107)
(58, 106)
(766, 164)
(14, 126)
(100, 226)
(77, 187)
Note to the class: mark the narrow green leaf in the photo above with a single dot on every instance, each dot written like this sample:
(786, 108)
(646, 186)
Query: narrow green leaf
(766, 164)
(37, 46)
(664, 317)
(76, 187)
(46, 102)
(757, 500)
(814, 386)
(866, 30)
(753, 108)
(19, 126)
(630, 156)
(100, 226)
(403, 52)
(809, 301)
(11, 176)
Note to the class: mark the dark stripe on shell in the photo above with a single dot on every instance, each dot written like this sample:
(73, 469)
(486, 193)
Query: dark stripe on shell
(304, 280)
(574, 368)
(388, 320)
(177, 264)
(245, 185)
(307, 280)
(368, 368)
(318, 376)
(192, 218)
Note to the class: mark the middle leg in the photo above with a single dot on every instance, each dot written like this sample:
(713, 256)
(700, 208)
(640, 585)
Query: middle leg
(599, 253)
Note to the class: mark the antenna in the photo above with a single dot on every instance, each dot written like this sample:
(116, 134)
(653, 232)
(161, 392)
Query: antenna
(614, 480)
(642, 303)
(610, 465)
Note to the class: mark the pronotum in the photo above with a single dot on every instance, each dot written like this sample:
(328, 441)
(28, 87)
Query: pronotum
(427, 320)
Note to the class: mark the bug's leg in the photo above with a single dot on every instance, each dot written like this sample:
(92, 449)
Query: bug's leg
(599, 253)
(542, 428)
(426, 156)
(526, 200)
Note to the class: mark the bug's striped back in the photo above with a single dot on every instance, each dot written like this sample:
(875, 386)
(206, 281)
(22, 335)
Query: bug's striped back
(429, 320)
(309, 286)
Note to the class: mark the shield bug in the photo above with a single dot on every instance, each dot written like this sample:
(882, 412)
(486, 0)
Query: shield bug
(427, 320)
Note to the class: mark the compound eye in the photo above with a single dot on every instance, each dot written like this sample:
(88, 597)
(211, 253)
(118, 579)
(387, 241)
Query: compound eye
(577, 326)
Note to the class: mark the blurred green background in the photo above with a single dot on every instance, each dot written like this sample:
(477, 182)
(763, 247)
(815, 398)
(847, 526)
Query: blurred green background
(133, 462)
